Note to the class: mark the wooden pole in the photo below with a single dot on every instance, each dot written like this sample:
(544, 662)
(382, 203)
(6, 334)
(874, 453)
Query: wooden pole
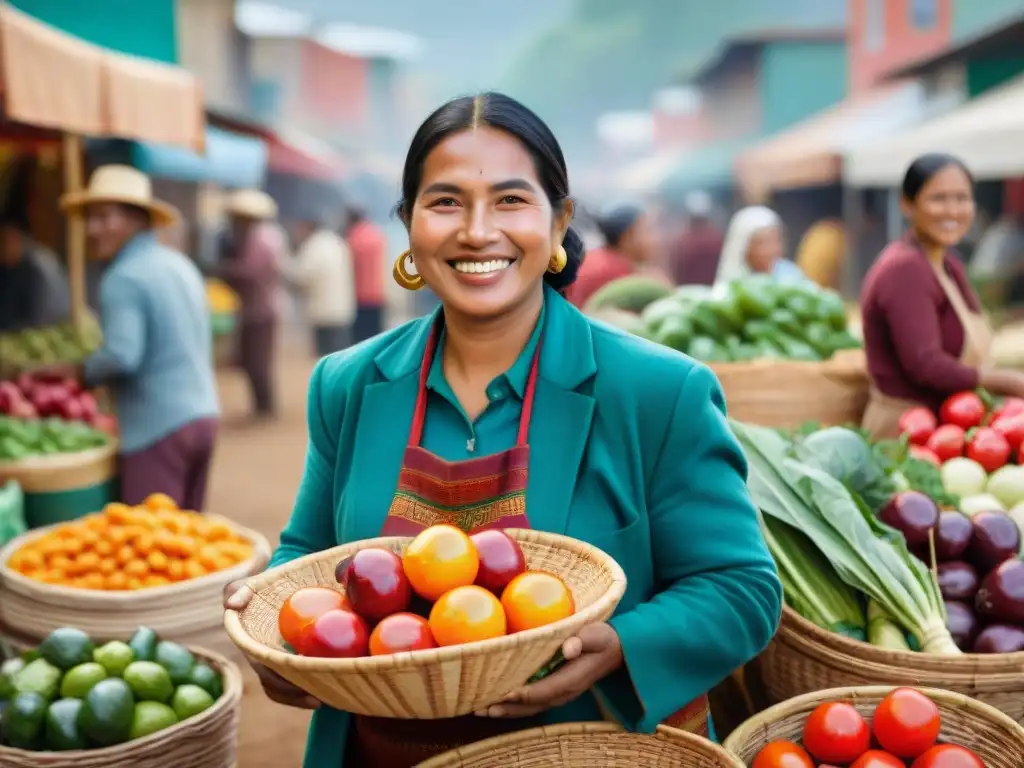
(72, 151)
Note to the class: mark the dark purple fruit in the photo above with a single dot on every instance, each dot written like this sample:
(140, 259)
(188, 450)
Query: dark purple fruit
(999, 638)
(961, 623)
(1001, 595)
(952, 535)
(913, 514)
(996, 538)
(958, 581)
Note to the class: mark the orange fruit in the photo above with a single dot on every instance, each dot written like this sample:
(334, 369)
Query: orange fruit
(535, 599)
(465, 615)
(440, 559)
(159, 501)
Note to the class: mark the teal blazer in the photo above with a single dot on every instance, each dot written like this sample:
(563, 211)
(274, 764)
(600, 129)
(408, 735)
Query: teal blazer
(629, 451)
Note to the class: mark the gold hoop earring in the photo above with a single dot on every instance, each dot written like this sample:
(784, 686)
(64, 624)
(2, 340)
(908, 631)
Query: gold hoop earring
(403, 276)
(558, 260)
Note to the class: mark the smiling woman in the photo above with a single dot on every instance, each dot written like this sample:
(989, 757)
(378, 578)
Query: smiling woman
(507, 408)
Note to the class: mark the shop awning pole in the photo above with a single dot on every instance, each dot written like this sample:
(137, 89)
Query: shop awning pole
(72, 150)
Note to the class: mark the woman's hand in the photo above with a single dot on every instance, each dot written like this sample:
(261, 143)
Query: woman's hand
(236, 597)
(590, 657)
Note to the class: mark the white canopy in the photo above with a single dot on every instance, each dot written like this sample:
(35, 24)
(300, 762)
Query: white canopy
(987, 133)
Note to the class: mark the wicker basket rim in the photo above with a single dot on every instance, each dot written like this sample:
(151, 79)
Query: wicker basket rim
(856, 648)
(744, 732)
(231, 677)
(553, 732)
(369, 664)
(85, 597)
(52, 461)
(847, 361)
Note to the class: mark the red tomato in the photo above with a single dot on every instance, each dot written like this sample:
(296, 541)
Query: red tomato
(947, 442)
(1010, 426)
(401, 632)
(305, 606)
(338, 634)
(918, 424)
(906, 723)
(923, 454)
(989, 448)
(782, 754)
(965, 410)
(876, 758)
(948, 756)
(836, 733)
(1011, 406)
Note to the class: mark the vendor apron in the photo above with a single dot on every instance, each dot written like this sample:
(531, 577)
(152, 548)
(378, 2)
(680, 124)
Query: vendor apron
(474, 495)
(881, 419)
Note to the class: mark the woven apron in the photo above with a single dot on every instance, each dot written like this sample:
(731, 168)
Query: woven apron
(474, 495)
(881, 419)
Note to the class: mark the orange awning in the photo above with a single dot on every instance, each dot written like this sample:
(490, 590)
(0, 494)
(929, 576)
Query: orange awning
(49, 79)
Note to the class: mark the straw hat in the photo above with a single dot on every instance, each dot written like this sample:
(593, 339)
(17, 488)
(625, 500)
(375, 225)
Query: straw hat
(121, 184)
(252, 204)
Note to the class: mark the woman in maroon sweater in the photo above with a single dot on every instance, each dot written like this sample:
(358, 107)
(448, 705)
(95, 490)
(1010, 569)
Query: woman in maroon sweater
(924, 333)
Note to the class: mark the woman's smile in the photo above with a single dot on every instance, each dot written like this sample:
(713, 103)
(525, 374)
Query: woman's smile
(480, 272)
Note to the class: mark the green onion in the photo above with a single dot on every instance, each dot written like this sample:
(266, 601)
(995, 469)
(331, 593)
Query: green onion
(883, 631)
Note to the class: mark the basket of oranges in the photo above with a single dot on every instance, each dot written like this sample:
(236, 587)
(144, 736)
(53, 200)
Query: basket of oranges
(152, 565)
(435, 626)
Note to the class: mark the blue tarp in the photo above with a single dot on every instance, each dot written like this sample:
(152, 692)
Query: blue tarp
(230, 159)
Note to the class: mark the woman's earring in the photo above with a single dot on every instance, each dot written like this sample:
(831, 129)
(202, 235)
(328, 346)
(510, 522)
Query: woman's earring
(402, 275)
(558, 260)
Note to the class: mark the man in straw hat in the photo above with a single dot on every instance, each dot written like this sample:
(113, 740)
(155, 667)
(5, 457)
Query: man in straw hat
(252, 267)
(156, 354)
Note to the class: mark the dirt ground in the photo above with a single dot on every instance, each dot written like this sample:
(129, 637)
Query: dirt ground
(256, 471)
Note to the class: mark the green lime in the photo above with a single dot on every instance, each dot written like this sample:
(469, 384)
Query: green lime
(206, 678)
(149, 681)
(66, 647)
(78, 681)
(189, 700)
(150, 717)
(176, 659)
(115, 657)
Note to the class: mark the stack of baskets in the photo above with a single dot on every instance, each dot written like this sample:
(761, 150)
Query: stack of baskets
(189, 612)
(803, 658)
(208, 740)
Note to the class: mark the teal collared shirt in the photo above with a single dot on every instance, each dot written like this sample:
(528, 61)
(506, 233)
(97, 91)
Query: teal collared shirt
(448, 431)
(630, 451)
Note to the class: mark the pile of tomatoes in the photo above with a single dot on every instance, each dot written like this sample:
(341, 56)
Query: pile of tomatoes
(904, 731)
(447, 588)
(966, 426)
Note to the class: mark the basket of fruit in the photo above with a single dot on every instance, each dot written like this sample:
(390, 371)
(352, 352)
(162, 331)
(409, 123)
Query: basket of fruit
(588, 745)
(453, 622)
(145, 703)
(111, 571)
(879, 727)
(49, 345)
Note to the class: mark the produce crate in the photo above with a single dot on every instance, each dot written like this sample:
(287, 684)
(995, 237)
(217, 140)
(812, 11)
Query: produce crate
(208, 740)
(996, 739)
(65, 486)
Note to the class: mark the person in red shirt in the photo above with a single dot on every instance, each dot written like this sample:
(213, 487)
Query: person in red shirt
(925, 336)
(628, 249)
(367, 244)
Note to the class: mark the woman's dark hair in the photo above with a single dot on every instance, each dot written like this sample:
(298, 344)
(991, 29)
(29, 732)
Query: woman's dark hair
(924, 168)
(503, 113)
(615, 223)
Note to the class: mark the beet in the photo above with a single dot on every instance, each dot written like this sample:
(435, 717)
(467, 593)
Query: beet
(913, 514)
(952, 535)
(961, 623)
(996, 538)
(1001, 595)
(958, 581)
(999, 638)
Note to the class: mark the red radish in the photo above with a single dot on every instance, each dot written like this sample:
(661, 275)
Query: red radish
(87, 402)
(921, 453)
(989, 448)
(918, 424)
(965, 409)
(947, 442)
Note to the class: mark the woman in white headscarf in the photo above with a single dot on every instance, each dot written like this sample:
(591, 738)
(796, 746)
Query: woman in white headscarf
(753, 244)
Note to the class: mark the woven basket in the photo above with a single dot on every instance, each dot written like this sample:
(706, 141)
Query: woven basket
(784, 393)
(996, 739)
(208, 740)
(437, 683)
(187, 612)
(587, 745)
(803, 658)
(62, 471)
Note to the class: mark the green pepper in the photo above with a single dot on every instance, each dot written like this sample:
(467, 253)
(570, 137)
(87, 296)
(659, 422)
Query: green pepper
(833, 311)
(844, 340)
(786, 322)
(803, 305)
(757, 330)
(12, 450)
(819, 336)
(794, 349)
(766, 350)
(743, 352)
(728, 310)
(657, 312)
(706, 321)
(753, 297)
(675, 332)
(706, 350)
